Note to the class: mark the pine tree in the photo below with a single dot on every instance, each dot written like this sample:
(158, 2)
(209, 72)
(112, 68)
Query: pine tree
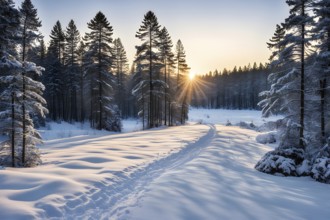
(70, 57)
(29, 25)
(182, 79)
(274, 42)
(120, 69)
(168, 63)
(104, 113)
(140, 87)
(81, 54)
(9, 23)
(148, 58)
(288, 93)
(54, 78)
(321, 68)
(22, 96)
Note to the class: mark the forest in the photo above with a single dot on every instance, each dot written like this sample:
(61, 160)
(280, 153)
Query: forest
(87, 78)
(84, 78)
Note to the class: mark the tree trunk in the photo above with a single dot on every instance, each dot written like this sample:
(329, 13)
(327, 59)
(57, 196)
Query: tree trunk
(322, 94)
(13, 129)
(302, 81)
(24, 123)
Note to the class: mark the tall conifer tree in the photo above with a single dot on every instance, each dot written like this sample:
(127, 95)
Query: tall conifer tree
(105, 114)
(148, 58)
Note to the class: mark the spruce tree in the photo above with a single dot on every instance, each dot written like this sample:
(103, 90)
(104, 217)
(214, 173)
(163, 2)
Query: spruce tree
(182, 81)
(120, 69)
(72, 37)
(321, 68)
(9, 23)
(147, 56)
(81, 54)
(168, 64)
(274, 42)
(29, 33)
(288, 93)
(104, 113)
(54, 78)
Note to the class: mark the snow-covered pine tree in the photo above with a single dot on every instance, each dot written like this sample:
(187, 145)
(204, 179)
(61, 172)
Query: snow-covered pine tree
(319, 77)
(10, 111)
(120, 69)
(182, 81)
(70, 56)
(104, 114)
(31, 90)
(140, 90)
(321, 33)
(287, 93)
(168, 64)
(147, 56)
(34, 104)
(9, 23)
(274, 43)
(12, 79)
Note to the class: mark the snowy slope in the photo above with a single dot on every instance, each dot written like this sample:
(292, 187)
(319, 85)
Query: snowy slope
(77, 170)
(198, 171)
(221, 183)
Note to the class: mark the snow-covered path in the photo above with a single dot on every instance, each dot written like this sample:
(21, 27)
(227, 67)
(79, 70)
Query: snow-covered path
(82, 175)
(112, 201)
(221, 183)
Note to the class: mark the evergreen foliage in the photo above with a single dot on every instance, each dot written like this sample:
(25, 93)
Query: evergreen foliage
(99, 57)
(21, 95)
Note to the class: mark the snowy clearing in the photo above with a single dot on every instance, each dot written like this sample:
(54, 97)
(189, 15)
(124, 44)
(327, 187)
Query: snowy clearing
(221, 183)
(222, 116)
(197, 171)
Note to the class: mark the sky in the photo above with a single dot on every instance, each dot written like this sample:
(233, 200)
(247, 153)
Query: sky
(216, 34)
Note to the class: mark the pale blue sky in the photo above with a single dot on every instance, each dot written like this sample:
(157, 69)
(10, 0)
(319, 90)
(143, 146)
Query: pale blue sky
(215, 33)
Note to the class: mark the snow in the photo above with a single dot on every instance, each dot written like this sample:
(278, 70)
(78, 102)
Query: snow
(216, 116)
(196, 171)
(60, 130)
(267, 137)
(221, 183)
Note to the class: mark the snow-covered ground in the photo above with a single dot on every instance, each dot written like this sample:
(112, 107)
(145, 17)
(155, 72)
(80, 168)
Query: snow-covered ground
(197, 171)
(216, 116)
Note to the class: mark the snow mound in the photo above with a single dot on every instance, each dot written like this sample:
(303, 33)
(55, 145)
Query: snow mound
(304, 169)
(281, 161)
(321, 170)
(266, 138)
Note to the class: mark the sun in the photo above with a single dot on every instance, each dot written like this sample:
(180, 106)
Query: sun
(192, 76)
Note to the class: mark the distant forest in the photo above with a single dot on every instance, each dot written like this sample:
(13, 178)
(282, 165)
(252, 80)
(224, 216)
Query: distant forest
(238, 88)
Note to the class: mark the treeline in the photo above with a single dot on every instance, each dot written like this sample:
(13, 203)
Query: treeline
(238, 88)
(88, 78)
(85, 78)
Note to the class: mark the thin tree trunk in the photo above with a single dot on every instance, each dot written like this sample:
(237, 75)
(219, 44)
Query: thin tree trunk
(322, 94)
(24, 122)
(302, 82)
(24, 96)
(13, 129)
(150, 84)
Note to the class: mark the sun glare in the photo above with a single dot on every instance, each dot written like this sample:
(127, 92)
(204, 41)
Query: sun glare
(191, 75)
